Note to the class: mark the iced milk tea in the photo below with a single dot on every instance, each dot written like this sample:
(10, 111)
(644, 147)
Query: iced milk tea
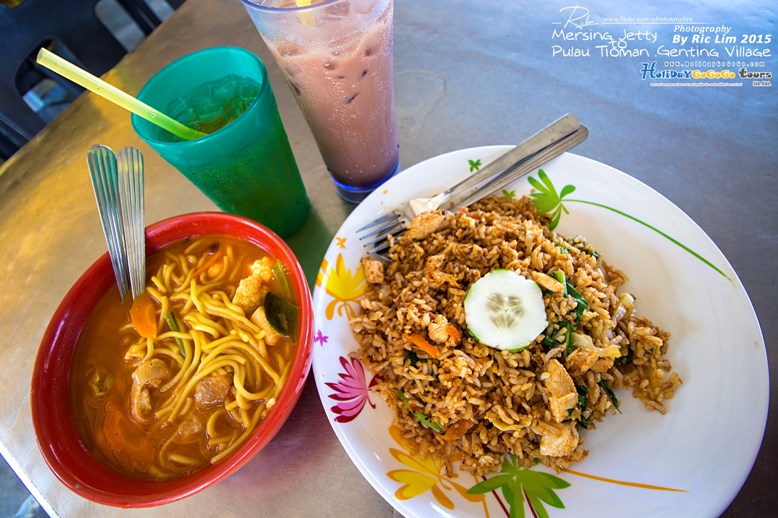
(338, 62)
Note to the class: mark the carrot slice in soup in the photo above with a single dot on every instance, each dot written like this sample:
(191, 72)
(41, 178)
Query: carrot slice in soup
(143, 315)
(128, 446)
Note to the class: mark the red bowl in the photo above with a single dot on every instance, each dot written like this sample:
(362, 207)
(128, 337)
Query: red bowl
(52, 412)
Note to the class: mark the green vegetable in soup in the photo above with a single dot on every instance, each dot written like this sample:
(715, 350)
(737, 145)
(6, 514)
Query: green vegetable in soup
(282, 315)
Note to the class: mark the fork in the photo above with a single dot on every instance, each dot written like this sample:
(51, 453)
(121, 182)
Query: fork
(103, 173)
(548, 143)
(131, 183)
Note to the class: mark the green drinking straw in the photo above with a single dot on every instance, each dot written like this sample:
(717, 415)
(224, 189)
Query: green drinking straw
(94, 84)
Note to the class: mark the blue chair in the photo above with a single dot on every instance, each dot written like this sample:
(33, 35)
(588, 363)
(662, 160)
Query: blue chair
(68, 28)
(144, 15)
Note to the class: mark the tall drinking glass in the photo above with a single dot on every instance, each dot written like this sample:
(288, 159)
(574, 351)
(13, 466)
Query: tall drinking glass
(336, 56)
(245, 164)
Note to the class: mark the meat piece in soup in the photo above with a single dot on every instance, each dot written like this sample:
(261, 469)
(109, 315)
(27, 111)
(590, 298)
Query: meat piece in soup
(211, 391)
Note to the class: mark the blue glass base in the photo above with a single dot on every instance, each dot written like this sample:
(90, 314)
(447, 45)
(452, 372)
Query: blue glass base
(357, 194)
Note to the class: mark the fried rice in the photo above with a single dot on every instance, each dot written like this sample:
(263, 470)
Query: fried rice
(466, 402)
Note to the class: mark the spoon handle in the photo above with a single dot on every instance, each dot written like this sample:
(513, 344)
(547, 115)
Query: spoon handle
(131, 184)
(102, 171)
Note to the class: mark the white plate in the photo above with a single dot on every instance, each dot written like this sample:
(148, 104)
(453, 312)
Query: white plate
(690, 462)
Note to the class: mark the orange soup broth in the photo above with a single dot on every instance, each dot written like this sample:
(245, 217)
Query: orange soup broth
(102, 381)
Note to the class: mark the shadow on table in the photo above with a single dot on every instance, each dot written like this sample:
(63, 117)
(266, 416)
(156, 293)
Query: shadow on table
(309, 244)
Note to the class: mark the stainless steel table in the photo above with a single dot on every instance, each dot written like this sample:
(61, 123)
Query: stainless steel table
(467, 74)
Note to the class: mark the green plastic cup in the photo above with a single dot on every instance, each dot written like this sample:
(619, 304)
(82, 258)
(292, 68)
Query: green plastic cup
(246, 167)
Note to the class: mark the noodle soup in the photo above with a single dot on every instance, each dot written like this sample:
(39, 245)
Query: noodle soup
(179, 378)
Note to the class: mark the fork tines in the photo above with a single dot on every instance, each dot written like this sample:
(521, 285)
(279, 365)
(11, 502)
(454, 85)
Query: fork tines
(375, 240)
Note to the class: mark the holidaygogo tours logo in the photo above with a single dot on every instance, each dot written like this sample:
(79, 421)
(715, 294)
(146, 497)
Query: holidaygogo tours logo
(649, 71)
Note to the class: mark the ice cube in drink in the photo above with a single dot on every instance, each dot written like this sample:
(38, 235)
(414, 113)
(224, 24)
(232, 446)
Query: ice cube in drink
(213, 105)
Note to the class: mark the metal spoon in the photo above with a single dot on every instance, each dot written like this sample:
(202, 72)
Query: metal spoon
(131, 183)
(102, 171)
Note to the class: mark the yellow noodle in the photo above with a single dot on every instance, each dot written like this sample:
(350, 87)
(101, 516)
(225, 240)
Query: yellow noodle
(172, 335)
(242, 392)
(203, 323)
(188, 404)
(216, 444)
(197, 264)
(149, 349)
(210, 426)
(284, 377)
(262, 345)
(205, 328)
(192, 362)
(234, 413)
(219, 278)
(194, 298)
(157, 473)
(163, 456)
(261, 362)
(182, 297)
(237, 321)
(194, 247)
(188, 305)
(268, 393)
(173, 354)
(234, 271)
(187, 280)
(279, 357)
(238, 380)
(158, 290)
(258, 345)
(225, 343)
(249, 334)
(210, 346)
(227, 313)
(167, 272)
(253, 335)
(159, 284)
(204, 287)
(128, 327)
(181, 459)
(254, 420)
(233, 360)
(186, 361)
(136, 350)
(164, 303)
(183, 261)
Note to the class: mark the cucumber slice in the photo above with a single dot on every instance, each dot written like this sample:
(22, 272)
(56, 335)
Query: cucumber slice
(505, 310)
